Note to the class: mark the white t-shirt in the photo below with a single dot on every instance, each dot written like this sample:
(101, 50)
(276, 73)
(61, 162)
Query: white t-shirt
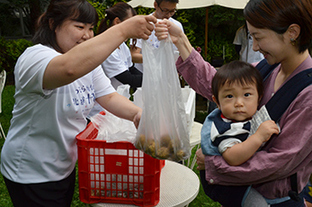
(246, 53)
(155, 42)
(119, 61)
(40, 144)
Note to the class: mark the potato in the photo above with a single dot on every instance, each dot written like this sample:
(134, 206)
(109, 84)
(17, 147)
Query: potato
(151, 148)
(180, 154)
(163, 153)
(163, 148)
(139, 144)
(165, 141)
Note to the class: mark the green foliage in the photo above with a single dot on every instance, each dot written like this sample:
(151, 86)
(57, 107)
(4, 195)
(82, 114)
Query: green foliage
(144, 11)
(222, 25)
(10, 50)
(10, 11)
(101, 7)
(185, 17)
(9, 23)
(5, 117)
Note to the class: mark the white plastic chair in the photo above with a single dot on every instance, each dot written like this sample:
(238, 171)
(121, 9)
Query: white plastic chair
(2, 82)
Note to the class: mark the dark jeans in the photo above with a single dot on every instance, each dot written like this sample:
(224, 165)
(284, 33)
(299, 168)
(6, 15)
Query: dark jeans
(232, 196)
(49, 194)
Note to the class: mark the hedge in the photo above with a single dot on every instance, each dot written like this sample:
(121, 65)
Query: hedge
(10, 50)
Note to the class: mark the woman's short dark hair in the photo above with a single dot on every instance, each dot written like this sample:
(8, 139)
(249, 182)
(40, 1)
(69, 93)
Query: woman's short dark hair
(237, 72)
(57, 12)
(278, 15)
(119, 10)
(172, 1)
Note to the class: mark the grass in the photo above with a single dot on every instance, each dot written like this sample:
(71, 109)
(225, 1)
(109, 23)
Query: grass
(7, 105)
(5, 117)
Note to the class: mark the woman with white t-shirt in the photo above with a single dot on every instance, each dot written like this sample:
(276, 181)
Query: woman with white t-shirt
(57, 82)
(118, 66)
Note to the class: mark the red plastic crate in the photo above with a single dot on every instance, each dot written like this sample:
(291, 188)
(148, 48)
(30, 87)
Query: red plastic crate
(116, 172)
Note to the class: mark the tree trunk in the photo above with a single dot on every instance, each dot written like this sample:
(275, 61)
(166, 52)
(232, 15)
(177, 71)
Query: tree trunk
(35, 12)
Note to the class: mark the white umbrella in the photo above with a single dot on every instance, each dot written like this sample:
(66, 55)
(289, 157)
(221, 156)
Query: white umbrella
(190, 4)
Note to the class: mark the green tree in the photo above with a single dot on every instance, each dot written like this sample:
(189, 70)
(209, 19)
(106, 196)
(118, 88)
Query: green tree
(30, 10)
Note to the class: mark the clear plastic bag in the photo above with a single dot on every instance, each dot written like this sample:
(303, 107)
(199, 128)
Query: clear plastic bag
(162, 132)
(112, 128)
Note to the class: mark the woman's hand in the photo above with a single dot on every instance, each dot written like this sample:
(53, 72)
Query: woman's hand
(138, 26)
(200, 159)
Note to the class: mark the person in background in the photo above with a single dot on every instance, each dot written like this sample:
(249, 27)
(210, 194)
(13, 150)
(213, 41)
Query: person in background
(57, 82)
(118, 67)
(164, 9)
(243, 45)
(282, 32)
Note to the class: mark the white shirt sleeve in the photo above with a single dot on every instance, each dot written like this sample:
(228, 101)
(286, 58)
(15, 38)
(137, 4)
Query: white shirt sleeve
(34, 62)
(227, 143)
(115, 64)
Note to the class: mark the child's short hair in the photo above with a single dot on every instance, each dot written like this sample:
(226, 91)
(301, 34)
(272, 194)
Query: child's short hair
(239, 72)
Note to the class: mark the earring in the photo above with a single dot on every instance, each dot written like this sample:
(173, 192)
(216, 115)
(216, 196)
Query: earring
(293, 41)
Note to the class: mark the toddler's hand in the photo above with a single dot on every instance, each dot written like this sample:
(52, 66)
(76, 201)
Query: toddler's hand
(267, 129)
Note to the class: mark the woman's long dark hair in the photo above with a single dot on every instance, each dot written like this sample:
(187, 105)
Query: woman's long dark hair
(119, 10)
(57, 12)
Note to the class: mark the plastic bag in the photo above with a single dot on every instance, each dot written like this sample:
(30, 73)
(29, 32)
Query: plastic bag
(137, 98)
(124, 90)
(162, 132)
(112, 128)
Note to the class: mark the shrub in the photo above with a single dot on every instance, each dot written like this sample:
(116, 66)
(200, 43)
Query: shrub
(10, 50)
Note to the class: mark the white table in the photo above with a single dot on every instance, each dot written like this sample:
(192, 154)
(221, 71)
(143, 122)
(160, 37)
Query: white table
(194, 141)
(179, 186)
